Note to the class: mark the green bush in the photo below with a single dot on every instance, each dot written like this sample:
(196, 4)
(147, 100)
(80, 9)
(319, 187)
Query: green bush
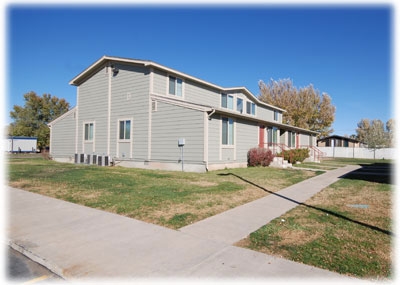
(295, 155)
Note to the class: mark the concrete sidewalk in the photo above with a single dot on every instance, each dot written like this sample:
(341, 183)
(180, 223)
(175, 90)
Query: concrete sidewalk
(78, 242)
(237, 223)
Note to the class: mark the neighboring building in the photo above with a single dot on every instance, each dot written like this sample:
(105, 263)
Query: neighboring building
(338, 141)
(20, 144)
(133, 112)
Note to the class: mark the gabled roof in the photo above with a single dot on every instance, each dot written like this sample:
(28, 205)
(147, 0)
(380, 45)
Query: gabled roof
(81, 77)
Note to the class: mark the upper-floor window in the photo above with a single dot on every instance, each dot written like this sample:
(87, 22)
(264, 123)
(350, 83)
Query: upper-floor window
(226, 101)
(89, 131)
(250, 108)
(175, 86)
(239, 105)
(276, 116)
(125, 130)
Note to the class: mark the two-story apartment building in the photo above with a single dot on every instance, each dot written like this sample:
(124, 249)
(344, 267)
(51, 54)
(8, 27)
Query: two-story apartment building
(133, 112)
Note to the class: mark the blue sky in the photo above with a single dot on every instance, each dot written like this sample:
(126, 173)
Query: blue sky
(344, 51)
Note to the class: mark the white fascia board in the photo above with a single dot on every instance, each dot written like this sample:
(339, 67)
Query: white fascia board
(245, 90)
(61, 117)
(181, 103)
(261, 121)
(101, 61)
(149, 63)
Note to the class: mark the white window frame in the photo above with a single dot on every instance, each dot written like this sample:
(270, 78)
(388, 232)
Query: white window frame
(176, 84)
(231, 131)
(252, 108)
(276, 115)
(243, 103)
(228, 96)
(119, 129)
(88, 140)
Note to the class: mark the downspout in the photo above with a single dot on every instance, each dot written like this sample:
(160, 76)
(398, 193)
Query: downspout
(207, 117)
(108, 69)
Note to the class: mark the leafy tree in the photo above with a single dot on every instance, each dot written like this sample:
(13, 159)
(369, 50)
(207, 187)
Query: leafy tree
(306, 107)
(390, 125)
(373, 133)
(33, 117)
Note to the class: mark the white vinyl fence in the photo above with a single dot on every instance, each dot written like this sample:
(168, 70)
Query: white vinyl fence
(358, 152)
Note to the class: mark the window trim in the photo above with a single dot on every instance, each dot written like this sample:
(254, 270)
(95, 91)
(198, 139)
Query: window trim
(276, 116)
(88, 140)
(237, 101)
(230, 132)
(169, 76)
(252, 108)
(227, 101)
(119, 129)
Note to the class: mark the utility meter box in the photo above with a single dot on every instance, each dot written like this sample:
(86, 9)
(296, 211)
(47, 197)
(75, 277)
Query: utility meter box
(181, 142)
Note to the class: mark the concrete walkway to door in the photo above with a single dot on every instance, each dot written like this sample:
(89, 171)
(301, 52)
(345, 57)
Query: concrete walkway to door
(81, 243)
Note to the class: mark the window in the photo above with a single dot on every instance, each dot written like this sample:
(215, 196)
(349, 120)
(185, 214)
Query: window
(272, 135)
(276, 116)
(175, 86)
(227, 131)
(250, 108)
(239, 105)
(227, 101)
(89, 132)
(125, 130)
(291, 139)
(153, 105)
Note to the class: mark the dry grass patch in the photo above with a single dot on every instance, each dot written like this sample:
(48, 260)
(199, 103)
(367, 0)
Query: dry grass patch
(171, 199)
(329, 232)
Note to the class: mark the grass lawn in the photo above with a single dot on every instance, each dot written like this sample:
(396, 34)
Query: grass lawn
(347, 227)
(171, 199)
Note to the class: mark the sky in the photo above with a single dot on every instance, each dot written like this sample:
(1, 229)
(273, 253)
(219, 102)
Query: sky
(344, 51)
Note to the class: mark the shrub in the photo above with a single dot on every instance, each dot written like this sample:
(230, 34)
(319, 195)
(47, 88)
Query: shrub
(295, 155)
(259, 157)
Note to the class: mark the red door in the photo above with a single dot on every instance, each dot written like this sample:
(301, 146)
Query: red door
(261, 136)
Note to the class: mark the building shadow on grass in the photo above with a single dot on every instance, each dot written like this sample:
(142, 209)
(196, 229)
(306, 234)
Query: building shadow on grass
(376, 172)
(310, 206)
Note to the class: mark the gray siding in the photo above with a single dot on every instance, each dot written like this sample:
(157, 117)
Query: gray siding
(130, 100)
(214, 138)
(169, 123)
(246, 138)
(201, 94)
(267, 114)
(304, 140)
(63, 137)
(159, 82)
(93, 107)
